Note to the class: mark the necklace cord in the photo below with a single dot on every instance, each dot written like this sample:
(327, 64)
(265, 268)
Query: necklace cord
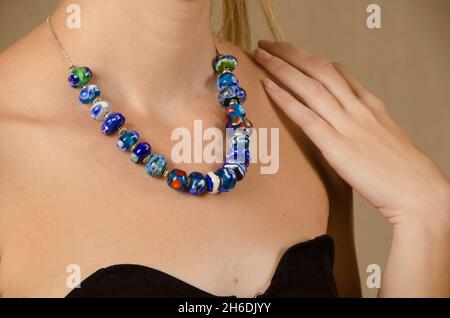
(67, 57)
(60, 46)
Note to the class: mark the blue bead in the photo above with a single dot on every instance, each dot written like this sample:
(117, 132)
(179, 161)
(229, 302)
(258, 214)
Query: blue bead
(228, 177)
(240, 141)
(226, 79)
(232, 94)
(197, 183)
(238, 155)
(240, 126)
(156, 165)
(89, 93)
(140, 152)
(235, 122)
(73, 80)
(100, 109)
(112, 123)
(177, 179)
(127, 140)
(239, 169)
(234, 110)
(213, 182)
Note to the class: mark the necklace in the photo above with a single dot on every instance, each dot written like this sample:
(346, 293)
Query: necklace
(231, 97)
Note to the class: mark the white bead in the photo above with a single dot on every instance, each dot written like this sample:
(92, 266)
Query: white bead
(100, 109)
(215, 181)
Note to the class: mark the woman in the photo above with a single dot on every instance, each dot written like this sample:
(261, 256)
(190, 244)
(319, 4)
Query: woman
(69, 198)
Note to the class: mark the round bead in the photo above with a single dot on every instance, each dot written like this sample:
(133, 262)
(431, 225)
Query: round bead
(140, 152)
(79, 76)
(89, 93)
(100, 109)
(112, 123)
(225, 62)
(197, 183)
(238, 155)
(239, 169)
(231, 94)
(228, 177)
(234, 122)
(240, 141)
(177, 179)
(235, 110)
(127, 140)
(226, 79)
(241, 126)
(156, 165)
(213, 182)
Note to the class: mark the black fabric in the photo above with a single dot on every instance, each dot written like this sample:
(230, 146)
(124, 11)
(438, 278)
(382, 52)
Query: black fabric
(305, 270)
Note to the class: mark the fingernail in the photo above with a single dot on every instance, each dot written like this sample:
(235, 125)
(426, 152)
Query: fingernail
(262, 54)
(264, 42)
(268, 83)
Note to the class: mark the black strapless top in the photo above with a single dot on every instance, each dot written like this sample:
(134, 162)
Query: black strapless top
(304, 270)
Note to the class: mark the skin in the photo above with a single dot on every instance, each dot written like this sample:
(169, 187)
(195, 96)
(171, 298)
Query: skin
(70, 197)
(362, 143)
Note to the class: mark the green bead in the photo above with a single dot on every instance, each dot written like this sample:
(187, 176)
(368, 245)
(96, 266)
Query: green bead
(224, 63)
(79, 76)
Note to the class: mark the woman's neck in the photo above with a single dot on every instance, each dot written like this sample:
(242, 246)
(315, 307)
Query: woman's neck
(153, 46)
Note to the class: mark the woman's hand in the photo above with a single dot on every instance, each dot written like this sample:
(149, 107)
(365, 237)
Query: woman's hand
(354, 132)
(359, 139)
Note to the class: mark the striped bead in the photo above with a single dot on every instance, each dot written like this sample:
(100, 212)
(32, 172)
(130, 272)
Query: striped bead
(89, 93)
(177, 179)
(127, 140)
(100, 109)
(238, 155)
(213, 182)
(112, 123)
(240, 141)
(140, 152)
(239, 169)
(228, 177)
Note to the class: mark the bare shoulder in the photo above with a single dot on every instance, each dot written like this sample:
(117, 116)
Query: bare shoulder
(30, 91)
(27, 68)
(28, 104)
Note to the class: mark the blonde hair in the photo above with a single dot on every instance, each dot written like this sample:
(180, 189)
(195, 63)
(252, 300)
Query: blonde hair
(236, 27)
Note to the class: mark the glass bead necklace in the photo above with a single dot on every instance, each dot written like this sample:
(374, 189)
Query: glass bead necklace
(231, 97)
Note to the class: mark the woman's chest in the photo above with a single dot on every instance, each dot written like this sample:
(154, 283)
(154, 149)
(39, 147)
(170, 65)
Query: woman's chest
(93, 208)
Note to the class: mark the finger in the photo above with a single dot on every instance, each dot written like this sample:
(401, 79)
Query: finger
(372, 102)
(317, 129)
(314, 94)
(316, 67)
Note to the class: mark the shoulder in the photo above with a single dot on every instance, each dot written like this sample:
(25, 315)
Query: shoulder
(28, 101)
(28, 68)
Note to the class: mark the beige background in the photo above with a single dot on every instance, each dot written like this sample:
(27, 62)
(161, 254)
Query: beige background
(406, 63)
